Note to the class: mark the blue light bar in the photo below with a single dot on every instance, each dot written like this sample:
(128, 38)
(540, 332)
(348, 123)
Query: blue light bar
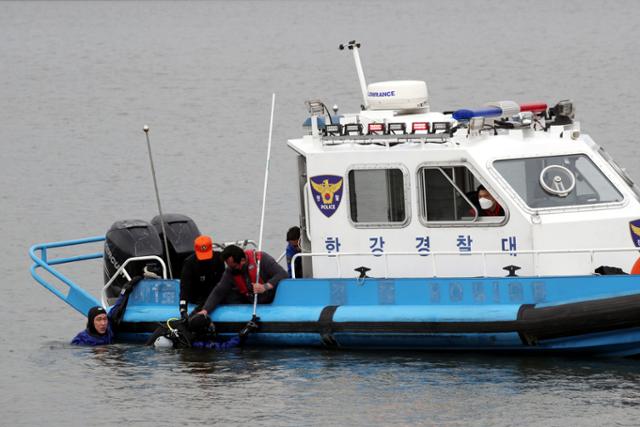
(464, 114)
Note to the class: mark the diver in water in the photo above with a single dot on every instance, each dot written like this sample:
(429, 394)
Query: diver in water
(101, 325)
(98, 330)
(198, 331)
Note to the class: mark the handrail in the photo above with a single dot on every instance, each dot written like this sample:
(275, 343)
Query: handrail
(122, 270)
(305, 203)
(483, 254)
(241, 243)
(440, 137)
(76, 297)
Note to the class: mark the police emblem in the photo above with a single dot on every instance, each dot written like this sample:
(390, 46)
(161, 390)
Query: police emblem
(634, 228)
(327, 192)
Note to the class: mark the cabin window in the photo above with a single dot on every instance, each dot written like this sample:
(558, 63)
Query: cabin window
(558, 181)
(450, 194)
(621, 172)
(378, 197)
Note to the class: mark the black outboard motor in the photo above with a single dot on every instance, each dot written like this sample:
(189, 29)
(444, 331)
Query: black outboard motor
(181, 232)
(127, 239)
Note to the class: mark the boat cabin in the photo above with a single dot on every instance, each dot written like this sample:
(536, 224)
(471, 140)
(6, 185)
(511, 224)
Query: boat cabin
(391, 191)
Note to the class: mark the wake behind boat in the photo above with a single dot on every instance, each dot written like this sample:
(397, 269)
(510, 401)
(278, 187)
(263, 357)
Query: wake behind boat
(499, 228)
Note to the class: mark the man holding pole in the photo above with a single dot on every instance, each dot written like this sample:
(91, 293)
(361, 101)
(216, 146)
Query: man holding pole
(240, 281)
(245, 277)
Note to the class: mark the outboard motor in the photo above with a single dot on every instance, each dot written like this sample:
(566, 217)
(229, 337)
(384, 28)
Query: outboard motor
(127, 239)
(181, 232)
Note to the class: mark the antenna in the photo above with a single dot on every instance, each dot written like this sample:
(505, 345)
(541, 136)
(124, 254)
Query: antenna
(155, 185)
(354, 46)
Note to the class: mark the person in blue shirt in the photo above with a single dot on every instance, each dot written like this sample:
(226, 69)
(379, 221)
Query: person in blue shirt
(293, 247)
(100, 324)
(98, 330)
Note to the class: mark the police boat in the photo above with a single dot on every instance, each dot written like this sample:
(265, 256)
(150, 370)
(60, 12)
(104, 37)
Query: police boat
(398, 249)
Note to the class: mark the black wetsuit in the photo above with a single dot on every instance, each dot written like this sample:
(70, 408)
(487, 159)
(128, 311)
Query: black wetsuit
(198, 279)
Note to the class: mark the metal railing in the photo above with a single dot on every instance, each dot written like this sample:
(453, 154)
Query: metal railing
(122, 270)
(386, 141)
(76, 297)
(81, 300)
(244, 244)
(385, 256)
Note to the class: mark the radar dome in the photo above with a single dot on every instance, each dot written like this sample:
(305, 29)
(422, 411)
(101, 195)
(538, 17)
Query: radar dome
(398, 95)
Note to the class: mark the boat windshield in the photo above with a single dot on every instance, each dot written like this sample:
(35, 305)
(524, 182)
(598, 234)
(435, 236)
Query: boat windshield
(620, 171)
(558, 181)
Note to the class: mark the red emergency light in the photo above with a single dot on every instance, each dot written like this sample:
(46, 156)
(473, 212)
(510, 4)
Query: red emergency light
(419, 127)
(375, 128)
(534, 107)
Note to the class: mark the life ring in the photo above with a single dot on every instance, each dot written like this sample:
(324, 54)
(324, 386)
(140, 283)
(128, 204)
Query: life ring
(636, 267)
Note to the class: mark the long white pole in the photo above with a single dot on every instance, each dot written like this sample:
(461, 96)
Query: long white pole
(155, 185)
(264, 199)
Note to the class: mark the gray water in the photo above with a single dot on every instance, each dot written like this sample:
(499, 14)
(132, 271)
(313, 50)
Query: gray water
(78, 80)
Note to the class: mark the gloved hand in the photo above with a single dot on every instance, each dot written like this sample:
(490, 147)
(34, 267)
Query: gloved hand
(252, 325)
(128, 287)
(184, 310)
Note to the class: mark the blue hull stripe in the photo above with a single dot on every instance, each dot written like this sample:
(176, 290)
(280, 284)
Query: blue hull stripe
(416, 313)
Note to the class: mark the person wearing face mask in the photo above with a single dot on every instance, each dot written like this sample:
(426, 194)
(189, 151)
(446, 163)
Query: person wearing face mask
(488, 205)
(239, 281)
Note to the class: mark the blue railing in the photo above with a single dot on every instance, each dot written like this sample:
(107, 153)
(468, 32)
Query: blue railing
(75, 296)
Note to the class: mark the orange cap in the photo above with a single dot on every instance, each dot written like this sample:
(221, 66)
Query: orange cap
(204, 247)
